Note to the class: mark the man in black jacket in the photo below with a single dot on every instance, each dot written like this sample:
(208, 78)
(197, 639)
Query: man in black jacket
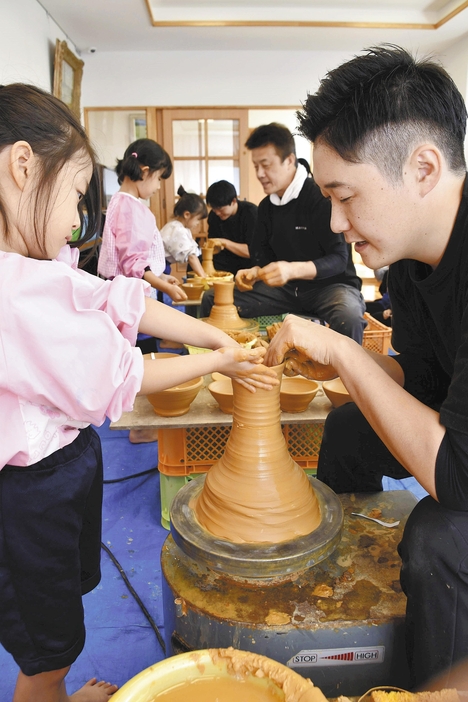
(301, 265)
(388, 134)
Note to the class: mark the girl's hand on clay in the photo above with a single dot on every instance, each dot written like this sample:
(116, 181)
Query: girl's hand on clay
(177, 294)
(172, 280)
(171, 287)
(245, 366)
(246, 277)
(307, 348)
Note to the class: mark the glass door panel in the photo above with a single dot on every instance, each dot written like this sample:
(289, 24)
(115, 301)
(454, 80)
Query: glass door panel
(205, 146)
(190, 174)
(223, 137)
(223, 169)
(188, 138)
(204, 151)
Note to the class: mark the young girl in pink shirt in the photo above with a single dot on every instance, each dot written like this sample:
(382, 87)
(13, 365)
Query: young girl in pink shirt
(131, 242)
(67, 360)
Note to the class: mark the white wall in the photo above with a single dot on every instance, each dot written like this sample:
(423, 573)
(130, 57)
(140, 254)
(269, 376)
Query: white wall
(27, 43)
(165, 78)
(183, 78)
(455, 61)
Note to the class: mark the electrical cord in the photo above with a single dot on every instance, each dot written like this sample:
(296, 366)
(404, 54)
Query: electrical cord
(129, 477)
(123, 574)
(135, 595)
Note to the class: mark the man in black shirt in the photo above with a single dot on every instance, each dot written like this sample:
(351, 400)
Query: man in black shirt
(300, 264)
(232, 222)
(388, 135)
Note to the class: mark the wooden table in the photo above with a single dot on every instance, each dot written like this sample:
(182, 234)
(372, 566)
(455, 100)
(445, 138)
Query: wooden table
(204, 411)
(192, 306)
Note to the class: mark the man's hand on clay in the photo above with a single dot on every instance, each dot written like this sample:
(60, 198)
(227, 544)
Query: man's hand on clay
(307, 348)
(246, 277)
(277, 273)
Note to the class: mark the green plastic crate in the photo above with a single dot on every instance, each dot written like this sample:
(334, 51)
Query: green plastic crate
(266, 320)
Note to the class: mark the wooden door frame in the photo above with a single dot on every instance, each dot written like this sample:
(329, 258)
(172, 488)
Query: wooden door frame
(162, 204)
(241, 114)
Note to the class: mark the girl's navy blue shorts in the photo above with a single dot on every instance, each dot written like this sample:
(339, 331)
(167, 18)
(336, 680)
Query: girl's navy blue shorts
(50, 540)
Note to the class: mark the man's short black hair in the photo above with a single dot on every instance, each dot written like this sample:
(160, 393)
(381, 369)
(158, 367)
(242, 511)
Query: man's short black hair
(380, 105)
(220, 194)
(275, 134)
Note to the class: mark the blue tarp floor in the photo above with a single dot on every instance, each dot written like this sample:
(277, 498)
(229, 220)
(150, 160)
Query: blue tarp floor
(120, 639)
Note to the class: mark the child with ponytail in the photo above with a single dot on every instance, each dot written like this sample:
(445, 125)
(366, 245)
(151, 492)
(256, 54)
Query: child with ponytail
(179, 234)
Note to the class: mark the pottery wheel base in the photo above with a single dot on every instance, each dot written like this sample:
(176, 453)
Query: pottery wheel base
(339, 623)
(256, 560)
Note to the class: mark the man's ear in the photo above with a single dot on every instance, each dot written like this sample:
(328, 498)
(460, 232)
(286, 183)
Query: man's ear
(427, 164)
(291, 159)
(22, 163)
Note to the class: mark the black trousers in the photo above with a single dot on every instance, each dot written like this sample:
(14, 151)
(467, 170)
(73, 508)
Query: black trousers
(433, 550)
(342, 306)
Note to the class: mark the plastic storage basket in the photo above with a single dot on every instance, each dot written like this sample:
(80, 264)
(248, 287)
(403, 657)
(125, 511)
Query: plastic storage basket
(377, 336)
(185, 453)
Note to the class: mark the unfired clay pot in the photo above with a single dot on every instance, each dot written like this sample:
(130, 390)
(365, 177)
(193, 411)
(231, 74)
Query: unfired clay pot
(157, 356)
(224, 314)
(222, 392)
(256, 492)
(297, 393)
(194, 291)
(336, 392)
(176, 401)
(207, 260)
(218, 376)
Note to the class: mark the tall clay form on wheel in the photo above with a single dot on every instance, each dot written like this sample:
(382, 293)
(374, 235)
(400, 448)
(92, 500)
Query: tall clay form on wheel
(207, 259)
(256, 492)
(224, 314)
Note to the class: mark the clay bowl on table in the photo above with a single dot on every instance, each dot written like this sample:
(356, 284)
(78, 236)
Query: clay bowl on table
(336, 392)
(177, 400)
(297, 393)
(154, 356)
(221, 390)
(193, 291)
(219, 376)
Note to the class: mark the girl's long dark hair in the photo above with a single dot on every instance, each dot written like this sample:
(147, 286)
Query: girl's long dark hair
(55, 135)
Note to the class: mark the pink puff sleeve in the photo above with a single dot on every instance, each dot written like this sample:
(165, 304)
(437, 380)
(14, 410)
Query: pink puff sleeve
(133, 227)
(67, 338)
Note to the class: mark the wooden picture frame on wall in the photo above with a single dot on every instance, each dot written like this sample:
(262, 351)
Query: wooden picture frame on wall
(68, 72)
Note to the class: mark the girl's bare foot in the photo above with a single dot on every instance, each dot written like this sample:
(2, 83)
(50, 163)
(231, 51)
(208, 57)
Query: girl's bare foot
(94, 691)
(142, 436)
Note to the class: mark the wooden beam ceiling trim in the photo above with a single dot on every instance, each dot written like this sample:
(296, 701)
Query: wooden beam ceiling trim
(323, 24)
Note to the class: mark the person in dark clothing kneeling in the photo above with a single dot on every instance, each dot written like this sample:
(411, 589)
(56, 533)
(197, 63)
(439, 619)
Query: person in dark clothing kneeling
(388, 135)
(232, 222)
